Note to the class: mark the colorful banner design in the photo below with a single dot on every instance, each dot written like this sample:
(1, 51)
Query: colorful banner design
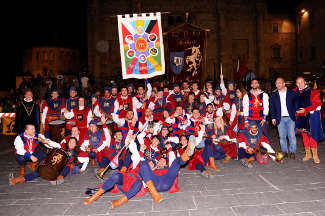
(8, 126)
(185, 56)
(141, 46)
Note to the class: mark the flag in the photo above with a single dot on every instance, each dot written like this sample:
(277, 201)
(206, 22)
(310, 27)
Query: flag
(315, 85)
(141, 45)
(242, 69)
(186, 54)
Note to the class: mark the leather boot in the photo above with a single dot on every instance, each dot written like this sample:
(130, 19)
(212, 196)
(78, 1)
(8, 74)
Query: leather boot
(212, 164)
(308, 154)
(94, 197)
(13, 181)
(227, 159)
(21, 170)
(315, 155)
(92, 162)
(32, 165)
(185, 155)
(124, 169)
(155, 195)
(251, 159)
(117, 203)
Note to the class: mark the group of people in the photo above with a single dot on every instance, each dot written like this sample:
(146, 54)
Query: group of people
(157, 130)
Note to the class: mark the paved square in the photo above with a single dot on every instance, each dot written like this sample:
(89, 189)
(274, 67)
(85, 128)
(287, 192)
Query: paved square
(292, 188)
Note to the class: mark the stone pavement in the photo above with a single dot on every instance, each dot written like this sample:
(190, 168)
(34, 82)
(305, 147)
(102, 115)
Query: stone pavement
(292, 188)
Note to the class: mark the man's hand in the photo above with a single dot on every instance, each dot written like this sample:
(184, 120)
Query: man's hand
(301, 111)
(203, 120)
(160, 122)
(221, 137)
(103, 119)
(250, 150)
(176, 115)
(274, 122)
(65, 111)
(146, 97)
(95, 150)
(246, 124)
(168, 146)
(262, 122)
(185, 122)
(43, 127)
(121, 107)
(143, 147)
(151, 130)
(230, 122)
(33, 158)
(221, 77)
(216, 101)
(165, 141)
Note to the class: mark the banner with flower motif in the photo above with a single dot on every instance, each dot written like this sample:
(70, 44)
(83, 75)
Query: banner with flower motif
(141, 45)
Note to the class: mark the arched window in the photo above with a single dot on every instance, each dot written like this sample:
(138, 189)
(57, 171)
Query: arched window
(62, 56)
(38, 56)
(51, 56)
(45, 56)
(67, 57)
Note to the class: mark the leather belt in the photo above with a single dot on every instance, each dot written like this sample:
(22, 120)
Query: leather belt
(284, 116)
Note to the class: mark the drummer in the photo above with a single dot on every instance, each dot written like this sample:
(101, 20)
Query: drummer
(72, 149)
(71, 103)
(25, 145)
(52, 109)
(83, 115)
(98, 141)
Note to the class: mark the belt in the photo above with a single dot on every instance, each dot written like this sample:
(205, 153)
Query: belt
(284, 116)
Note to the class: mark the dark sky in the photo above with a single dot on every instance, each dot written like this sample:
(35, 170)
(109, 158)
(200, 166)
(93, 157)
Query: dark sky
(35, 23)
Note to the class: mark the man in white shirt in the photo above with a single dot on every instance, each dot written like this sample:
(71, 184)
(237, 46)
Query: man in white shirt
(84, 82)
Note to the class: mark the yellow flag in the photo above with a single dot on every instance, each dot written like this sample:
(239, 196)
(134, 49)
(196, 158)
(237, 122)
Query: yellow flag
(162, 84)
(204, 88)
(315, 85)
(8, 126)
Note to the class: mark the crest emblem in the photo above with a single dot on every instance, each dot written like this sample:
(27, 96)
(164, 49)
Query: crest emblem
(106, 104)
(253, 141)
(177, 59)
(80, 117)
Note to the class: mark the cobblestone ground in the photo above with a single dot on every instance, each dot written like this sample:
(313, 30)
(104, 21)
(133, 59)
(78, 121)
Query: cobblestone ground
(291, 188)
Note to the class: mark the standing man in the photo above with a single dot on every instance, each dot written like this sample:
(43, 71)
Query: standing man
(308, 117)
(84, 82)
(105, 104)
(282, 112)
(52, 109)
(71, 103)
(27, 113)
(256, 106)
(249, 77)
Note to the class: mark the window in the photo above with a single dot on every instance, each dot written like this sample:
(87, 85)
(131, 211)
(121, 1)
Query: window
(311, 18)
(299, 30)
(313, 52)
(300, 54)
(170, 20)
(276, 52)
(179, 19)
(275, 27)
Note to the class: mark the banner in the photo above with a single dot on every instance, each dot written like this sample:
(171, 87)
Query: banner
(8, 126)
(141, 46)
(185, 56)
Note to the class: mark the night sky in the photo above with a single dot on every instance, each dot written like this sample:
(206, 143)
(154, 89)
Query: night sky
(63, 23)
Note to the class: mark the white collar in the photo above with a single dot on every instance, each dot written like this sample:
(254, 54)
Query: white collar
(303, 88)
(27, 100)
(81, 107)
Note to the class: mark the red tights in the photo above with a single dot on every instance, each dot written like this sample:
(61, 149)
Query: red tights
(308, 141)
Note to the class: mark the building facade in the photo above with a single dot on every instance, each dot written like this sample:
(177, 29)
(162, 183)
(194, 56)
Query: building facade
(42, 60)
(310, 25)
(237, 28)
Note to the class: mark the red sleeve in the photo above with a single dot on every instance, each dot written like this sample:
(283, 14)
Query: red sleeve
(242, 138)
(263, 139)
(315, 101)
(230, 132)
(44, 104)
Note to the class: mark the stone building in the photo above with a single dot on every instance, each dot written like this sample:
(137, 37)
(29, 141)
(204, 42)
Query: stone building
(237, 28)
(41, 60)
(310, 16)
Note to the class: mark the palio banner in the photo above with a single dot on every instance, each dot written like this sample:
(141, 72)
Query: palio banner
(8, 126)
(185, 56)
(141, 45)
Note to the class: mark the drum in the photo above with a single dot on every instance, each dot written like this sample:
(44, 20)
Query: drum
(57, 130)
(110, 126)
(53, 164)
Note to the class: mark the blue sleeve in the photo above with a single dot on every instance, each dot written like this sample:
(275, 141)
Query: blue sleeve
(27, 155)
